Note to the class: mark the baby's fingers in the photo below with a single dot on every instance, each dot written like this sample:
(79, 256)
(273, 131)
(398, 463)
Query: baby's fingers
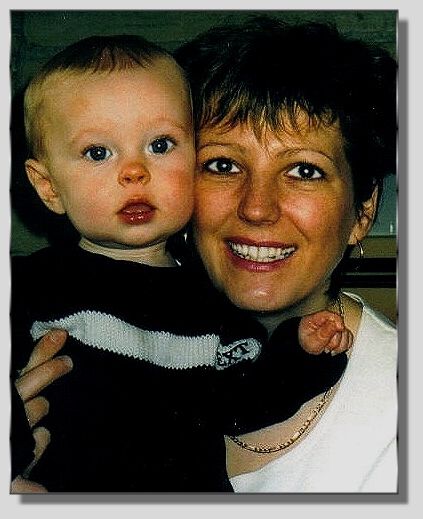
(340, 342)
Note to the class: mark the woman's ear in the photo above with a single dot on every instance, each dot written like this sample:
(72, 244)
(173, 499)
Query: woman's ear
(40, 178)
(365, 219)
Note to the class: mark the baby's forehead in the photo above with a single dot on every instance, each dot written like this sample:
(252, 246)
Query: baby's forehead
(163, 63)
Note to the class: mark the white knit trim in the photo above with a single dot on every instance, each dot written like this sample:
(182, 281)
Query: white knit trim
(109, 333)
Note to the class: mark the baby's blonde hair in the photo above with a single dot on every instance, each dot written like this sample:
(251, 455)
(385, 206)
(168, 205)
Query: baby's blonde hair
(92, 55)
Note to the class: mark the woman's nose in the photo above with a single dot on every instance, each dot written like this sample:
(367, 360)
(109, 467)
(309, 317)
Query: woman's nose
(133, 173)
(259, 203)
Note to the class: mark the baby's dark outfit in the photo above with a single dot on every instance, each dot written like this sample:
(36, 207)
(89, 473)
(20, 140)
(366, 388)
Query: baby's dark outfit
(163, 368)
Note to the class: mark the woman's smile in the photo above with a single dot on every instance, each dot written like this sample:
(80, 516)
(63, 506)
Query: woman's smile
(257, 257)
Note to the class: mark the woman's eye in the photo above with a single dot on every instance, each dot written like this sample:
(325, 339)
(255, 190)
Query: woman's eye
(162, 145)
(222, 166)
(97, 153)
(306, 171)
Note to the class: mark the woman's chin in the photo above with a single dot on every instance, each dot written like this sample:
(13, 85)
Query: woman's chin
(256, 301)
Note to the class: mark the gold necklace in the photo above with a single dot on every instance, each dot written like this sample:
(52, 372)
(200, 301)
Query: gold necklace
(340, 306)
(261, 449)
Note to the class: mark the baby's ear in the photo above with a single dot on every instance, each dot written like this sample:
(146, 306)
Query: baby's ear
(40, 178)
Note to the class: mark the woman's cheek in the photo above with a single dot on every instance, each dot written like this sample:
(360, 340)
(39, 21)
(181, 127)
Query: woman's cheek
(208, 205)
(307, 214)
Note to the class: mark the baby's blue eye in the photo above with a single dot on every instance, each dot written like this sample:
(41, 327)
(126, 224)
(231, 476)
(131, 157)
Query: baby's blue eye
(97, 153)
(161, 146)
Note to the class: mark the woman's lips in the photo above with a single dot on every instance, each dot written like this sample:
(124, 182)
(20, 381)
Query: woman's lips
(137, 213)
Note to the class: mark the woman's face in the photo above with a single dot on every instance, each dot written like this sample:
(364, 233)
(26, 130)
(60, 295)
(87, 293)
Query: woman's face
(273, 217)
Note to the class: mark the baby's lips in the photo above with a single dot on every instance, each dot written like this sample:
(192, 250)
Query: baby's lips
(137, 212)
(137, 207)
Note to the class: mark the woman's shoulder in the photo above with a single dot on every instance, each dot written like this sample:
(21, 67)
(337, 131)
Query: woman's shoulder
(376, 340)
(373, 317)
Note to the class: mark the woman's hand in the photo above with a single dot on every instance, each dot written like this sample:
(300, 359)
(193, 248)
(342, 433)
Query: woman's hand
(42, 369)
(22, 485)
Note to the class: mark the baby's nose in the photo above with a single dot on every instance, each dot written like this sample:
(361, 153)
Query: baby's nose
(133, 173)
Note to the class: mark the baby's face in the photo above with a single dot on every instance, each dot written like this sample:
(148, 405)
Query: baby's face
(119, 153)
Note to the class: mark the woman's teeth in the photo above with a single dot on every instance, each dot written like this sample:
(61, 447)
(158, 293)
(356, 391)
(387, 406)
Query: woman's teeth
(260, 254)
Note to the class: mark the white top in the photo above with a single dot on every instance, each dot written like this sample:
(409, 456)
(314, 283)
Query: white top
(353, 447)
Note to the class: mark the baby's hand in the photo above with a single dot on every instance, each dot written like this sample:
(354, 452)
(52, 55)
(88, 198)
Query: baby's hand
(324, 332)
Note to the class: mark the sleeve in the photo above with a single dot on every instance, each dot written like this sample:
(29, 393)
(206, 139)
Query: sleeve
(384, 474)
(272, 387)
(21, 439)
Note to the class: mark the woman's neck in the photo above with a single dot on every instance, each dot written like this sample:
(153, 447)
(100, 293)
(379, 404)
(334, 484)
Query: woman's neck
(271, 320)
(153, 255)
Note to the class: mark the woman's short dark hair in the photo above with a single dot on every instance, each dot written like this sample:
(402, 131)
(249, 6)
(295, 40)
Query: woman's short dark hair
(257, 71)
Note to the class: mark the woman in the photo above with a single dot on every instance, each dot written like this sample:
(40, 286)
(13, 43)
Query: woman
(296, 130)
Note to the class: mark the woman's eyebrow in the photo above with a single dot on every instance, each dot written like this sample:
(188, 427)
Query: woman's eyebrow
(297, 150)
(220, 144)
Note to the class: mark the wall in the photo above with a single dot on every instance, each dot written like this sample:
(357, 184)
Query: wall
(376, 277)
(36, 35)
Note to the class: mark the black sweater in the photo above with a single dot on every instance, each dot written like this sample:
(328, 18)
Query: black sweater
(132, 416)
